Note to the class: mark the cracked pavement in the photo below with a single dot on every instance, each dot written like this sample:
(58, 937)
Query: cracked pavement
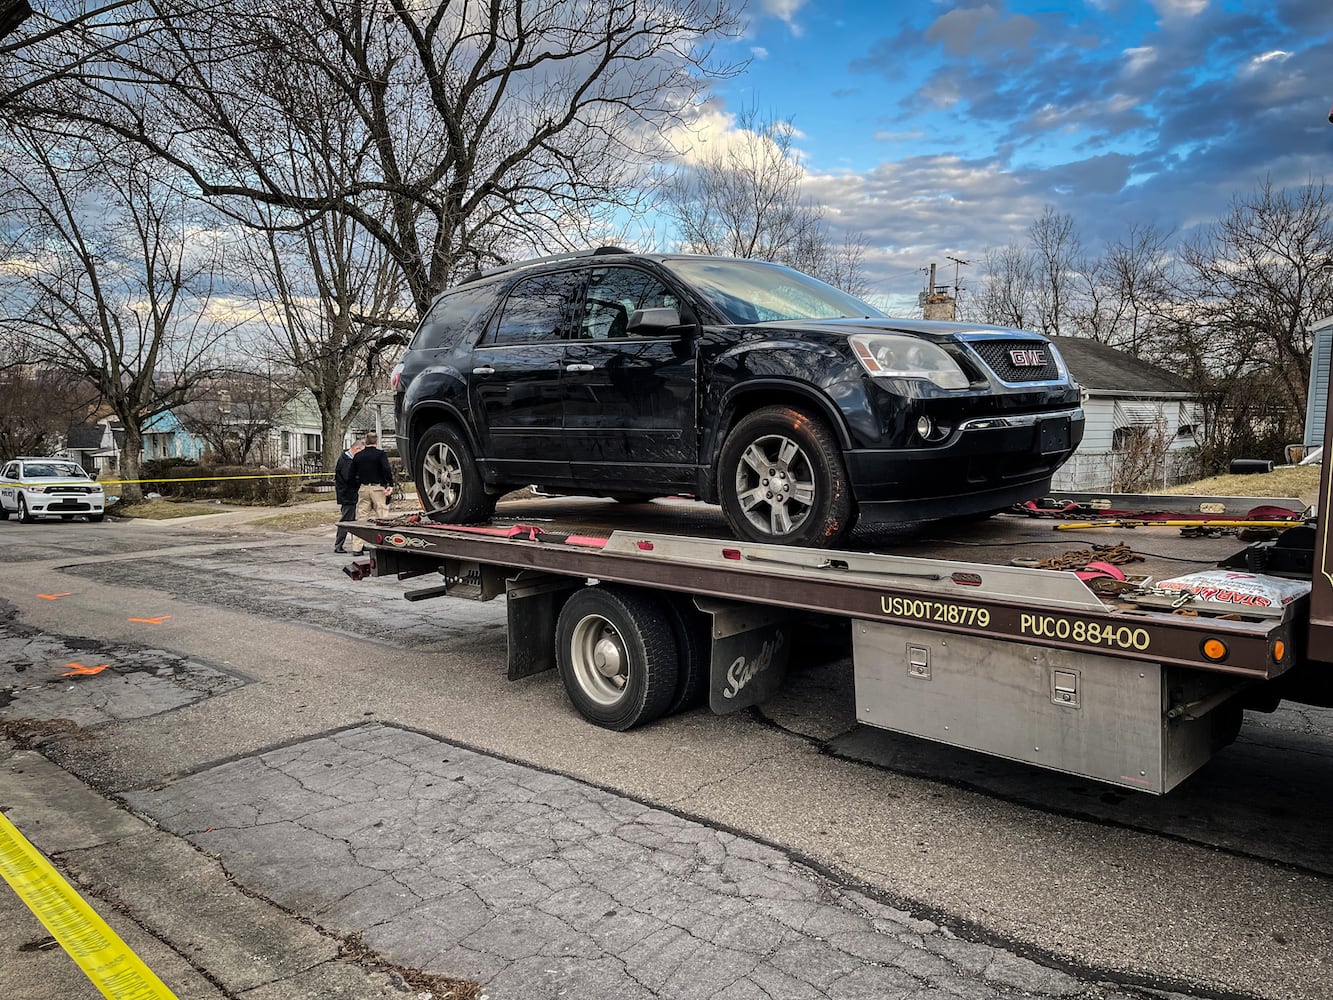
(537, 885)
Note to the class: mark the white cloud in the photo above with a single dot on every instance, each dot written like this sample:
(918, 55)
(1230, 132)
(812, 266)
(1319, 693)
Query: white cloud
(1173, 9)
(784, 10)
(1139, 59)
(759, 52)
(1274, 58)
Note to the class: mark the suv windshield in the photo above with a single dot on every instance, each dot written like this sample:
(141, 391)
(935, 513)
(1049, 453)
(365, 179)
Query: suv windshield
(751, 291)
(53, 470)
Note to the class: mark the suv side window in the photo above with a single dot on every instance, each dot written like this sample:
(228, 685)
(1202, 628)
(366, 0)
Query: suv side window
(537, 310)
(454, 314)
(614, 293)
(11, 471)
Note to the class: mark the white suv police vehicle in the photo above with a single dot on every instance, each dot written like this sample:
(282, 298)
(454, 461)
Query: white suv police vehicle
(41, 487)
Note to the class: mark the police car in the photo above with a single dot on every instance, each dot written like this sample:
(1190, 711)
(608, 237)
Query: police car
(49, 487)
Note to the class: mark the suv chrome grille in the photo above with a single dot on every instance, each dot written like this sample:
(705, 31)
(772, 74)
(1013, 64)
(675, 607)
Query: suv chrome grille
(1019, 360)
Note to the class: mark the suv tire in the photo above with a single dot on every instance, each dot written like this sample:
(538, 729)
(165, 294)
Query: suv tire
(448, 483)
(781, 480)
(25, 515)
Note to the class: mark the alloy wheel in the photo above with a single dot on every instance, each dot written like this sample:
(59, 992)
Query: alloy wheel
(775, 484)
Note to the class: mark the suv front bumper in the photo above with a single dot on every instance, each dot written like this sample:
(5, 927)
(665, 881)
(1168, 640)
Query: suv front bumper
(986, 464)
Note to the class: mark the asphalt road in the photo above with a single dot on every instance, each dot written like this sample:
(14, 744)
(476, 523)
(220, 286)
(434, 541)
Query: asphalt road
(242, 662)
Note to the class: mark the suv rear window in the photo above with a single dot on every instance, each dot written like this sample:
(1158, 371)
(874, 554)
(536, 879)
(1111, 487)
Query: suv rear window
(454, 314)
(537, 310)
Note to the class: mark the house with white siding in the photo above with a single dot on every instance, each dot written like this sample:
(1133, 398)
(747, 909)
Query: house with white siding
(1141, 421)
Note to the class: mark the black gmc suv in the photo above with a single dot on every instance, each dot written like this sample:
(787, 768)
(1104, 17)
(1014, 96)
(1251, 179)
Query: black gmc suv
(795, 406)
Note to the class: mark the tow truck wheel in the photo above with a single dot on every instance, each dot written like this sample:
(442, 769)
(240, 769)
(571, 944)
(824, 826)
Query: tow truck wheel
(781, 479)
(617, 655)
(694, 648)
(4, 514)
(25, 515)
(448, 483)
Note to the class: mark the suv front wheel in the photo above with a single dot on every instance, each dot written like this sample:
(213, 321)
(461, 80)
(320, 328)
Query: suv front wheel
(447, 480)
(781, 479)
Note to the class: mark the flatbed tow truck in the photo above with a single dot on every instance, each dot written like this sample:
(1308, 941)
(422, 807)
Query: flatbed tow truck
(958, 634)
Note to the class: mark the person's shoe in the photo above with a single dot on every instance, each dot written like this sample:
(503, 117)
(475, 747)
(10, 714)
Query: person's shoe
(340, 550)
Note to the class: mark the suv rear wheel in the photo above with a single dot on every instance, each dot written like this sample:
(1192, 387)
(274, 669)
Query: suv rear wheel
(781, 479)
(447, 480)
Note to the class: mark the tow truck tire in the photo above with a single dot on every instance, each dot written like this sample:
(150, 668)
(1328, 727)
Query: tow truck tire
(448, 482)
(4, 514)
(694, 650)
(781, 480)
(25, 515)
(617, 655)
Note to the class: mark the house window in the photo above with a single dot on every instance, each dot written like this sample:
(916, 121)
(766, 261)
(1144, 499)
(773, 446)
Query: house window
(313, 444)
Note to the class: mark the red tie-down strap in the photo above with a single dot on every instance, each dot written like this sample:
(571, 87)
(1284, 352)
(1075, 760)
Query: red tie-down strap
(530, 533)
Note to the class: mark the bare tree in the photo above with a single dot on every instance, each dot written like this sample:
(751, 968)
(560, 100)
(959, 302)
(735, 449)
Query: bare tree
(235, 414)
(1007, 296)
(1135, 273)
(1056, 252)
(1260, 277)
(323, 293)
(37, 406)
(488, 128)
(114, 281)
(741, 195)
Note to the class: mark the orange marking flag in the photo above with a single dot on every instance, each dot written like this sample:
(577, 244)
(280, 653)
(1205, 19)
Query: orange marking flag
(52, 597)
(151, 621)
(79, 670)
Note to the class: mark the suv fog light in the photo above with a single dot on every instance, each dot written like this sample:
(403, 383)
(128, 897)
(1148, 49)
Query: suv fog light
(931, 431)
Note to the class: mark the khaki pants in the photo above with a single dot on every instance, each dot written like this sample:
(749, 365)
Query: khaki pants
(370, 502)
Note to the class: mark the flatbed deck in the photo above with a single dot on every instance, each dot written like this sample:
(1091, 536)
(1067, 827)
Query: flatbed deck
(948, 576)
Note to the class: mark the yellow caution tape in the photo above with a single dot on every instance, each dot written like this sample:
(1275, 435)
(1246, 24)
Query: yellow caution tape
(218, 479)
(105, 959)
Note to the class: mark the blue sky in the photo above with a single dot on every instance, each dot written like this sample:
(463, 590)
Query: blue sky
(943, 128)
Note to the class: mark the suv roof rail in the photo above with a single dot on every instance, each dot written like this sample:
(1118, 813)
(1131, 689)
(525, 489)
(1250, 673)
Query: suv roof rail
(568, 255)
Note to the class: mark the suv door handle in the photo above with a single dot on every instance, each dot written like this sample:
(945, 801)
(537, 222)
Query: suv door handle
(580, 368)
(483, 370)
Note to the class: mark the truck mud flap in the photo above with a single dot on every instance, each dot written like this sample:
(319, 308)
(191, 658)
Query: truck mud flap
(750, 648)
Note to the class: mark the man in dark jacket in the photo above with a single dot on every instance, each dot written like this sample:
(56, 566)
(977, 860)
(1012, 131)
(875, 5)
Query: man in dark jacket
(345, 490)
(374, 480)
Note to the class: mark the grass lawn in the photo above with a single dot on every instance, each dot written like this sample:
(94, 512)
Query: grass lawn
(1300, 481)
(163, 510)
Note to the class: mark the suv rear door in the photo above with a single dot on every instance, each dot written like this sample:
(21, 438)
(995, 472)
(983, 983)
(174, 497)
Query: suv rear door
(514, 391)
(630, 395)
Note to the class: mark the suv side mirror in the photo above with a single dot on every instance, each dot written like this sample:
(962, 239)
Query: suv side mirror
(646, 322)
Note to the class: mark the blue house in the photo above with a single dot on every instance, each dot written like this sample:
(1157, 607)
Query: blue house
(165, 437)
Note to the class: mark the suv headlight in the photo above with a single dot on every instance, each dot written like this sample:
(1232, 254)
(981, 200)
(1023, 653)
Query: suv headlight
(892, 355)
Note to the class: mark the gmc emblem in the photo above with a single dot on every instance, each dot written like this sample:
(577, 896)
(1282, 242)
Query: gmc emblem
(1028, 358)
